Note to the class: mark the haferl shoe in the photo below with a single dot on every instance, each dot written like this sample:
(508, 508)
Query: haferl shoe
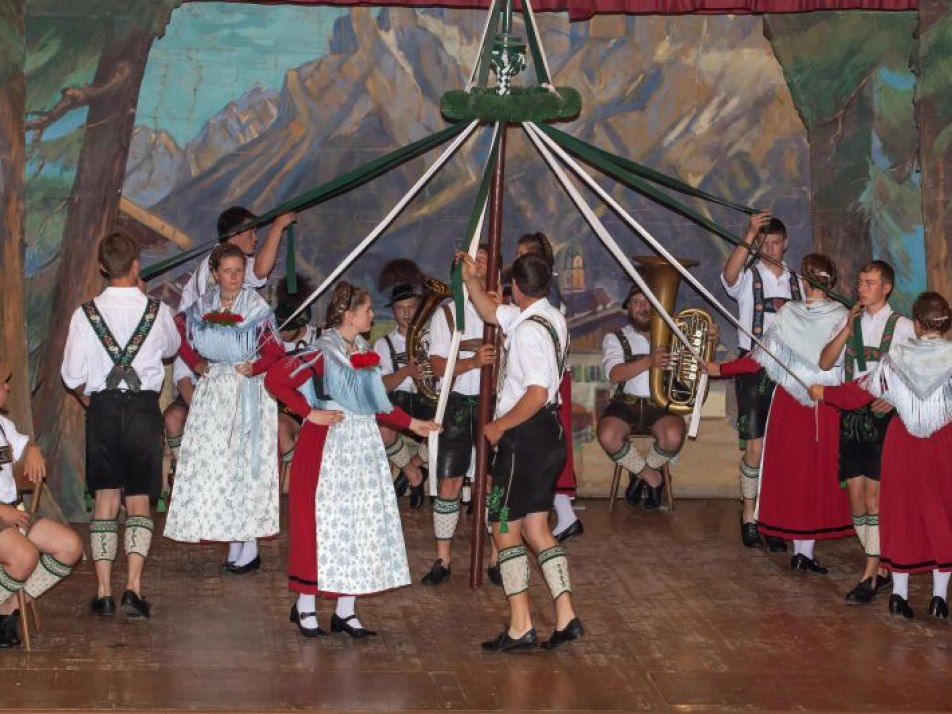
(938, 607)
(417, 497)
(494, 574)
(358, 633)
(309, 632)
(775, 544)
(505, 643)
(883, 580)
(654, 497)
(862, 593)
(635, 488)
(438, 573)
(802, 562)
(400, 484)
(898, 605)
(576, 529)
(570, 633)
(236, 569)
(749, 535)
(10, 629)
(104, 606)
(134, 606)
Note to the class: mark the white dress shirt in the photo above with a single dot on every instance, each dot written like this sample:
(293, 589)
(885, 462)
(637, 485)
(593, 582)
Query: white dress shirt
(529, 357)
(873, 327)
(86, 360)
(743, 292)
(399, 343)
(9, 436)
(201, 280)
(441, 336)
(613, 355)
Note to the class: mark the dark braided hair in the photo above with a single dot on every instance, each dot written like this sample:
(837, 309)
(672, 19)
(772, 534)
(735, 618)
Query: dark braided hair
(819, 271)
(345, 297)
(932, 312)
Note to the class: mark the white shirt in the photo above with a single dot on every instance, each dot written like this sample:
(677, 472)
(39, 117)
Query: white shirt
(613, 355)
(86, 361)
(743, 292)
(529, 358)
(441, 336)
(9, 436)
(201, 280)
(386, 359)
(873, 327)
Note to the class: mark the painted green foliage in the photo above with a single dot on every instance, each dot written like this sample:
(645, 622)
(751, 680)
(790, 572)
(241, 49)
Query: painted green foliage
(935, 85)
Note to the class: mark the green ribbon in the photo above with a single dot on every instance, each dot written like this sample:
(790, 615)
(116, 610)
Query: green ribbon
(532, 33)
(290, 270)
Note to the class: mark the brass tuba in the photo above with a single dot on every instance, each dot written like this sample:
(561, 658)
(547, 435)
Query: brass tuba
(418, 335)
(675, 388)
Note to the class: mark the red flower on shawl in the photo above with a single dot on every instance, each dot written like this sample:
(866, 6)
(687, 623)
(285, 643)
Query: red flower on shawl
(222, 317)
(364, 360)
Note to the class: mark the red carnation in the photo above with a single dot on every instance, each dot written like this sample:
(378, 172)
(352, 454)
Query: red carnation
(364, 360)
(222, 317)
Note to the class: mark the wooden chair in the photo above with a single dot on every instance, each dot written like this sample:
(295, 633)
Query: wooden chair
(617, 473)
(28, 609)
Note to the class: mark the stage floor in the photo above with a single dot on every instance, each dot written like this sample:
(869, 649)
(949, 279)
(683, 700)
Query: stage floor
(678, 615)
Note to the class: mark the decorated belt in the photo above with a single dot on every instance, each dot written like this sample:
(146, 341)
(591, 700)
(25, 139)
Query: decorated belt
(6, 455)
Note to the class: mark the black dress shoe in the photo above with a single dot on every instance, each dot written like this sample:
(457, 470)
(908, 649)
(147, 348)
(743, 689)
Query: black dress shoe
(417, 497)
(10, 628)
(571, 632)
(883, 580)
(654, 497)
(900, 606)
(246, 568)
(308, 632)
(938, 607)
(6, 641)
(635, 488)
(749, 535)
(438, 573)
(775, 544)
(505, 643)
(494, 574)
(105, 606)
(576, 529)
(358, 633)
(133, 605)
(400, 484)
(862, 593)
(802, 562)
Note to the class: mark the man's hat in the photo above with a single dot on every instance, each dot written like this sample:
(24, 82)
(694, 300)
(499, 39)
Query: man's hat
(635, 290)
(403, 291)
(6, 371)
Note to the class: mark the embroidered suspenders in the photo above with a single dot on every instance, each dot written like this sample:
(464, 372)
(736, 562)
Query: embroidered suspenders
(561, 356)
(122, 370)
(763, 306)
(396, 358)
(871, 354)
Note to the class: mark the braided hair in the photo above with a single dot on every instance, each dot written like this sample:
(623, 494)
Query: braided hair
(819, 271)
(345, 297)
(932, 312)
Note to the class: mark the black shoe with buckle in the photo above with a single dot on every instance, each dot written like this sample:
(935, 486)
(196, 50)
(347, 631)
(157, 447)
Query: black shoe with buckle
(400, 484)
(654, 497)
(358, 633)
(634, 491)
(103, 606)
(576, 529)
(898, 605)
(133, 605)
(938, 607)
(504, 643)
(309, 632)
(438, 573)
(570, 633)
(802, 562)
(775, 544)
(749, 535)
(494, 574)
(862, 593)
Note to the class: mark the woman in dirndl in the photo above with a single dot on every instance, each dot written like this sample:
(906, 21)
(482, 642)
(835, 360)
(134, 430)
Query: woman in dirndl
(226, 482)
(346, 538)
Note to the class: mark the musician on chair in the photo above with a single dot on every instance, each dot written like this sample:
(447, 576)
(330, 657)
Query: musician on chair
(626, 358)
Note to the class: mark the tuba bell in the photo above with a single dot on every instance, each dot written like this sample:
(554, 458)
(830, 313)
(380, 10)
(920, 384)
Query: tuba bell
(418, 336)
(676, 387)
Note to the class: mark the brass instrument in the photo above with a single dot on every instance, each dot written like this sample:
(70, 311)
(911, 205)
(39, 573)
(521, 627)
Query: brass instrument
(675, 387)
(418, 335)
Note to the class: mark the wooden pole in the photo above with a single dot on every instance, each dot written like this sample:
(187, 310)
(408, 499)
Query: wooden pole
(486, 381)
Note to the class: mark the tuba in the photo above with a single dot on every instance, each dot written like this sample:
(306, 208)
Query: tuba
(675, 388)
(418, 335)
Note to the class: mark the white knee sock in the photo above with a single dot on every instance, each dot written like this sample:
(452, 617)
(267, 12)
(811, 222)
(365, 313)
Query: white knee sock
(563, 512)
(901, 585)
(806, 547)
(307, 603)
(249, 551)
(797, 547)
(346, 605)
(234, 551)
(940, 584)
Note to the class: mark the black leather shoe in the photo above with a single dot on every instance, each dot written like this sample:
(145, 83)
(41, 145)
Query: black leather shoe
(6, 641)
(417, 497)
(802, 562)
(749, 535)
(938, 607)
(900, 606)
(105, 606)
(775, 544)
(505, 643)
(883, 580)
(654, 497)
(576, 529)
(862, 593)
(246, 568)
(358, 633)
(571, 632)
(10, 628)
(308, 632)
(495, 575)
(438, 573)
(133, 605)
(634, 491)
(400, 484)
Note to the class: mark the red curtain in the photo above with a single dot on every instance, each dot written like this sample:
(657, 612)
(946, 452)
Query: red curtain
(584, 9)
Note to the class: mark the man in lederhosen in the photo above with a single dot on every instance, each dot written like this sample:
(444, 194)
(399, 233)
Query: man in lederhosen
(627, 358)
(760, 289)
(113, 363)
(863, 431)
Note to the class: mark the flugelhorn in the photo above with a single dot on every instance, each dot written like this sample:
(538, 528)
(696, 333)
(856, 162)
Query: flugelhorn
(418, 336)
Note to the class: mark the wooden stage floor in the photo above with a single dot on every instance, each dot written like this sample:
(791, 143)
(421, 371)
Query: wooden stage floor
(678, 615)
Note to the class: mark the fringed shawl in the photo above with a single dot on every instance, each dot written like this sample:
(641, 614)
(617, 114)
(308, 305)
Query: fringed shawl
(916, 378)
(231, 344)
(797, 337)
(359, 391)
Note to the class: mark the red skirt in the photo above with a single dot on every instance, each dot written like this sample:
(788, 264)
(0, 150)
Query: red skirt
(800, 496)
(915, 500)
(566, 483)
